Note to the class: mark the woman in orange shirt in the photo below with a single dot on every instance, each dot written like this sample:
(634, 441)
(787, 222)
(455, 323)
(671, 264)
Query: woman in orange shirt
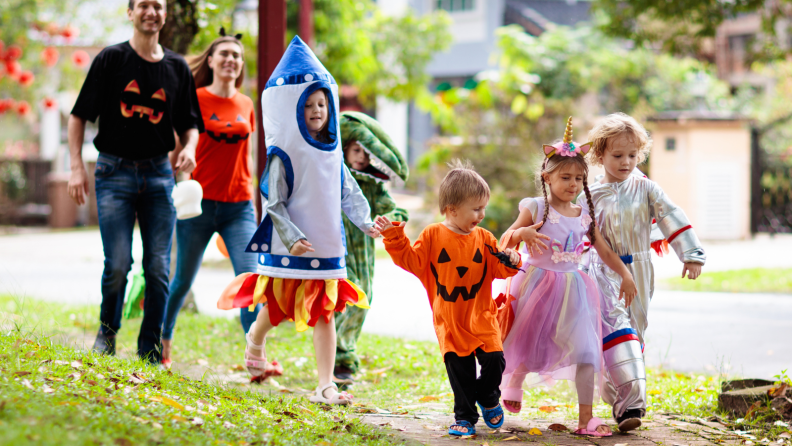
(223, 169)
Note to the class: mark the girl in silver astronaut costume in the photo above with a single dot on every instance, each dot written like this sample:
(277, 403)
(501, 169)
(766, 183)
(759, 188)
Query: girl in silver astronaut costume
(625, 206)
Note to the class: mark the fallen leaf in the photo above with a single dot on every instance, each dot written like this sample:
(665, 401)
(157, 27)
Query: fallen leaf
(655, 392)
(178, 418)
(534, 431)
(136, 379)
(76, 364)
(27, 384)
(69, 403)
(228, 425)
(156, 425)
(166, 401)
(558, 427)
(698, 389)
(122, 442)
(512, 438)
(785, 435)
(379, 371)
(59, 362)
(547, 409)
(198, 421)
(204, 363)
(238, 368)
(47, 389)
(337, 420)
(74, 376)
(141, 420)
(620, 444)
(426, 399)
(777, 391)
(752, 409)
(21, 373)
(53, 379)
(29, 354)
(90, 382)
(387, 423)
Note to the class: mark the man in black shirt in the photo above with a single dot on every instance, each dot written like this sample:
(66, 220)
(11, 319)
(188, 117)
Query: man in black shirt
(141, 94)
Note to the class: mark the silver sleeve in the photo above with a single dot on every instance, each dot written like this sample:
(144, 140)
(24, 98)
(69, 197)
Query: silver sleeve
(288, 232)
(670, 219)
(354, 203)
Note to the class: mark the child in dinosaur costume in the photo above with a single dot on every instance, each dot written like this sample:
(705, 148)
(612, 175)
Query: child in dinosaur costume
(373, 160)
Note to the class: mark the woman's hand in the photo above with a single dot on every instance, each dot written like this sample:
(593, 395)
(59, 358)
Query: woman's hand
(628, 290)
(300, 247)
(372, 232)
(533, 239)
(692, 269)
(514, 256)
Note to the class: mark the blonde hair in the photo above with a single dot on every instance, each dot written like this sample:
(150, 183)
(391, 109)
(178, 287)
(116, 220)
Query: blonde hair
(613, 126)
(556, 163)
(460, 184)
(199, 65)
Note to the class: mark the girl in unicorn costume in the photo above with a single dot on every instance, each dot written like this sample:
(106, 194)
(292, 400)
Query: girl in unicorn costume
(625, 207)
(301, 274)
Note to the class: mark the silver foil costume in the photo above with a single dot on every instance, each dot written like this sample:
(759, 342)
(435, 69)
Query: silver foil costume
(624, 213)
(353, 203)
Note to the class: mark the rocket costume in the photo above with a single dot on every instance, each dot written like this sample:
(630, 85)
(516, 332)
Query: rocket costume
(624, 213)
(306, 186)
(386, 163)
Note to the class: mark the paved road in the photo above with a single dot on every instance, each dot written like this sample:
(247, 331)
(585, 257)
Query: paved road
(746, 334)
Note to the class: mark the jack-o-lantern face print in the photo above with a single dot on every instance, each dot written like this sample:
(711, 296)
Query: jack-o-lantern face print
(151, 108)
(228, 129)
(459, 270)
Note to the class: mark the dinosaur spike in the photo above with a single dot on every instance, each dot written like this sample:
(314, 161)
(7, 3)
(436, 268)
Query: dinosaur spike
(568, 132)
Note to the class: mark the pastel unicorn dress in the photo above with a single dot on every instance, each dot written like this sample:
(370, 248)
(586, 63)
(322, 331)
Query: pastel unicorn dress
(550, 322)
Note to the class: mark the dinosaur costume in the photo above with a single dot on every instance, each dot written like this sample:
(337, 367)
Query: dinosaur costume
(386, 163)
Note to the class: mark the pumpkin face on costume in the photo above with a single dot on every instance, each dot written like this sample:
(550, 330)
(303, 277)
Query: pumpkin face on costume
(457, 270)
(132, 101)
(228, 129)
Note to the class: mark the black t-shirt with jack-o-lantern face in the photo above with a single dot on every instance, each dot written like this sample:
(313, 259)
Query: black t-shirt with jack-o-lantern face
(139, 103)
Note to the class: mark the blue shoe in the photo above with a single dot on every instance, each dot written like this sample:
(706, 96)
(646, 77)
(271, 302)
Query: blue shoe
(471, 430)
(489, 414)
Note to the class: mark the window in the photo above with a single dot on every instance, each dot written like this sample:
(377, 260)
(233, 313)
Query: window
(670, 144)
(455, 5)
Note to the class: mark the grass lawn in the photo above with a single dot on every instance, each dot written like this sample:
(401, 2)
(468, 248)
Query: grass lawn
(754, 280)
(50, 393)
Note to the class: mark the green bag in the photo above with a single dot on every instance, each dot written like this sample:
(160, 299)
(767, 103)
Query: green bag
(133, 304)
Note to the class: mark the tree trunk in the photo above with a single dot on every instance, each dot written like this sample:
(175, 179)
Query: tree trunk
(181, 25)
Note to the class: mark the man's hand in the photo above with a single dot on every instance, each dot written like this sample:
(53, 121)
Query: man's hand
(692, 269)
(532, 238)
(300, 247)
(514, 256)
(382, 223)
(185, 162)
(78, 184)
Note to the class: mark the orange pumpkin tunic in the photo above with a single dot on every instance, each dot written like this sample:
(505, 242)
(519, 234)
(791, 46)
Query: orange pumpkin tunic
(457, 272)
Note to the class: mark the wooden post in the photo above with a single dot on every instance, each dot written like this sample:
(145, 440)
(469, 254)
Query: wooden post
(271, 45)
(306, 22)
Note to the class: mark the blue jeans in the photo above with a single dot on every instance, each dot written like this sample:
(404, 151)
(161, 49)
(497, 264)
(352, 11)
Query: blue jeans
(236, 223)
(126, 190)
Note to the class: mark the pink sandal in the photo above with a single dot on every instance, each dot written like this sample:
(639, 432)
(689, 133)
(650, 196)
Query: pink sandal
(258, 367)
(512, 394)
(591, 429)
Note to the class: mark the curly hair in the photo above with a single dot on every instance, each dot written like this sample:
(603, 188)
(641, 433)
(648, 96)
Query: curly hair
(460, 184)
(558, 162)
(610, 128)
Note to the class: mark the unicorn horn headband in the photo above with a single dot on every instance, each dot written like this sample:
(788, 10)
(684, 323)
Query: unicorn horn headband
(566, 147)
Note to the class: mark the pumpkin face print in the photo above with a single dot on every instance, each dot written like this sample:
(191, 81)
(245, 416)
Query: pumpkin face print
(473, 270)
(151, 108)
(231, 130)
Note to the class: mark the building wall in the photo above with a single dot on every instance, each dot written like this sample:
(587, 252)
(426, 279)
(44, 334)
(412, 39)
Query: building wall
(707, 174)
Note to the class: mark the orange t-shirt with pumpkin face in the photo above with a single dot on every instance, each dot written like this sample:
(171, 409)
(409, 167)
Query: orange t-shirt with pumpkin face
(457, 271)
(221, 158)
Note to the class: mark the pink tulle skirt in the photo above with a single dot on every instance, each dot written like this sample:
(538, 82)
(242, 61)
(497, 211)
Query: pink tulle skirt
(551, 326)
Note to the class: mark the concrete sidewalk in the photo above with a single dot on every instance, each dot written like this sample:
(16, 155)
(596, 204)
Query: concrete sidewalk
(738, 333)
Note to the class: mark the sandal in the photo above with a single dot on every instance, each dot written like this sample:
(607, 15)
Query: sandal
(489, 414)
(258, 367)
(340, 398)
(512, 394)
(471, 430)
(591, 429)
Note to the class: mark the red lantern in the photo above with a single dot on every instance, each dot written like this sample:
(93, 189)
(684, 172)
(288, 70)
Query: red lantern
(50, 56)
(80, 58)
(13, 69)
(26, 78)
(69, 32)
(22, 108)
(13, 53)
(49, 103)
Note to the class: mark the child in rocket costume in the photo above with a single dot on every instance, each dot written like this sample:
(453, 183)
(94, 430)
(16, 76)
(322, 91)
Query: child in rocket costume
(625, 206)
(301, 273)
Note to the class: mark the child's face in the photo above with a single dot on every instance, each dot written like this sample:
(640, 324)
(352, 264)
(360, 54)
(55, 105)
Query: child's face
(565, 182)
(356, 156)
(316, 112)
(620, 159)
(468, 215)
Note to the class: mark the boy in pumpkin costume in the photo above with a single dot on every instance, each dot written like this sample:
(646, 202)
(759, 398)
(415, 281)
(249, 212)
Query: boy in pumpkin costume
(373, 160)
(457, 261)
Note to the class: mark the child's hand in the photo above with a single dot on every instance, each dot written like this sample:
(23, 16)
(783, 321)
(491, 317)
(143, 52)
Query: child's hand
(514, 256)
(382, 223)
(628, 290)
(300, 247)
(532, 238)
(692, 269)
